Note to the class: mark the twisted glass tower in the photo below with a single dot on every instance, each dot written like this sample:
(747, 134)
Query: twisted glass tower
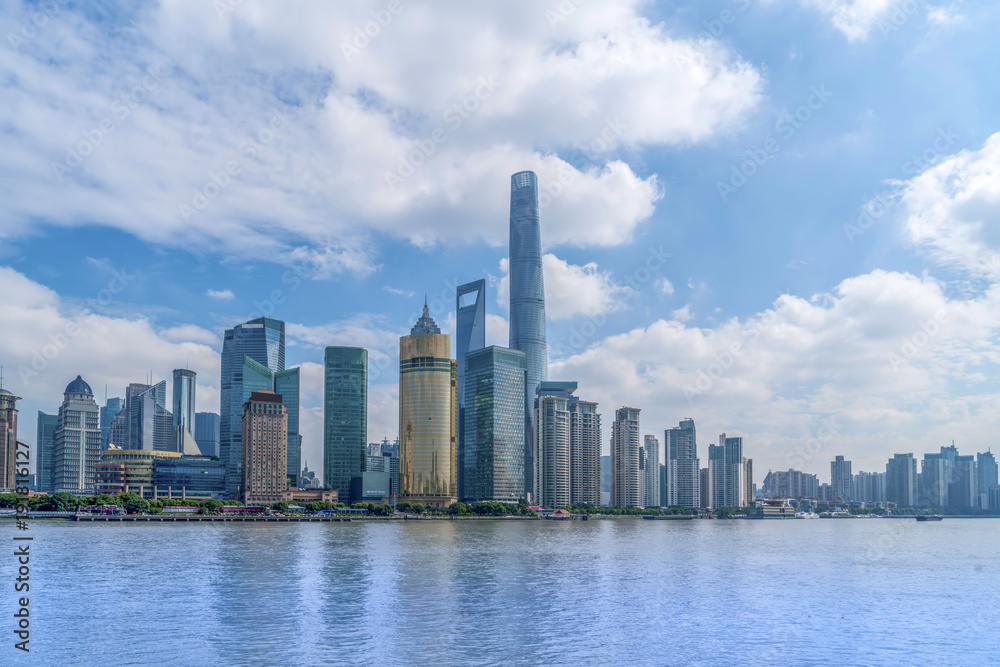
(527, 288)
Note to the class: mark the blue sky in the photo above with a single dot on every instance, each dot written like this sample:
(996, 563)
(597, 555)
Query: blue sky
(776, 315)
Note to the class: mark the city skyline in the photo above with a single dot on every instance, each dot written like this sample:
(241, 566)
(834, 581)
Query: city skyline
(877, 304)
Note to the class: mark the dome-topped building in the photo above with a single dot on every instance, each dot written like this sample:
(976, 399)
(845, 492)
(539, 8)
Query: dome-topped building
(78, 386)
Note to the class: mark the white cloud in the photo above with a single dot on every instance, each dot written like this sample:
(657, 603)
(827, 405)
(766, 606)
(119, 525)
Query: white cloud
(952, 209)
(310, 193)
(682, 314)
(856, 18)
(222, 295)
(571, 290)
(665, 286)
(397, 292)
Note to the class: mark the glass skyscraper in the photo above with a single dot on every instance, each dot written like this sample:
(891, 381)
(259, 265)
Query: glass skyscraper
(150, 423)
(46, 438)
(263, 341)
(683, 472)
(183, 403)
(427, 416)
(345, 417)
(206, 432)
(527, 288)
(494, 425)
(470, 320)
(111, 408)
(287, 384)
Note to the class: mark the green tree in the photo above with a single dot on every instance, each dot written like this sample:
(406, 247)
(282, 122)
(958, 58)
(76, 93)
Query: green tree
(60, 502)
(133, 503)
(281, 506)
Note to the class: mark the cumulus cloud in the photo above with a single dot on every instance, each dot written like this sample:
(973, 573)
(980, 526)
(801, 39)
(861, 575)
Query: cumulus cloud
(571, 290)
(665, 286)
(856, 18)
(221, 295)
(239, 135)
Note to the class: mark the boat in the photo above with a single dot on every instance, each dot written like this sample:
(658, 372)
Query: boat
(668, 517)
(806, 515)
(930, 517)
(836, 514)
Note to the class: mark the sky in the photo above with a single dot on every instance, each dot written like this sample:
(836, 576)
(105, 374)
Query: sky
(776, 217)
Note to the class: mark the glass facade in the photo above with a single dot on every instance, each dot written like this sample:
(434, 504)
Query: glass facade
(494, 425)
(183, 403)
(470, 326)
(427, 415)
(263, 341)
(46, 437)
(206, 432)
(190, 476)
(345, 417)
(150, 423)
(111, 408)
(287, 384)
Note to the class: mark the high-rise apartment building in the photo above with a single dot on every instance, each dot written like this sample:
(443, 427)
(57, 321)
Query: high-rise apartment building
(626, 485)
(427, 415)
(584, 452)
(206, 432)
(264, 439)
(45, 451)
(791, 484)
(261, 340)
(727, 474)
(682, 465)
(651, 472)
(748, 487)
(111, 409)
(963, 492)
(77, 442)
(494, 425)
(8, 440)
(527, 291)
(901, 480)
(841, 478)
(986, 471)
(935, 477)
(868, 487)
(551, 445)
(705, 488)
(345, 417)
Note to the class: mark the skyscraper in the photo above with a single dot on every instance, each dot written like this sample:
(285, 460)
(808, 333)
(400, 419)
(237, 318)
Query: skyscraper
(112, 407)
(286, 384)
(150, 423)
(683, 470)
(584, 452)
(427, 415)
(841, 478)
(494, 425)
(263, 341)
(264, 476)
(77, 442)
(8, 440)
(527, 290)
(651, 476)
(727, 474)
(183, 403)
(901, 480)
(935, 475)
(626, 486)
(44, 452)
(470, 325)
(345, 417)
(552, 446)
(206, 432)
(986, 469)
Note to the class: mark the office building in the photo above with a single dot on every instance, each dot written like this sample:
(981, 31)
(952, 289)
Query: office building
(584, 452)
(77, 446)
(147, 422)
(112, 408)
(8, 442)
(626, 485)
(841, 478)
(470, 327)
(986, 472)
(265, 449)
(345, 417)
(651, 472)
(287, 385)
(184, 400)
(494, 425)
(727, 475)
(427, 416)
(138, 466)
(262, 340)
(371, 486)
(901, 480)
(189, 477)
(388, 462)
(206, 432)
(45, 451)
(527, 291)
(682, 465)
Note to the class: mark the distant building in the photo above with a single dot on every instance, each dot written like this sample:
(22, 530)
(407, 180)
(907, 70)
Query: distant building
(77, 441)
(388, 463)
(470, 336)
(651, 472)
(986, 469)
(494, 425)
(261, 341)
(183, 403)
(307, 478)
(8, 441)
(749, 488)
(626, 485)
(112, 408)
(206, 432)
(841, 478)
(901, 480)
(935, 476)
(993, 500)
(584, 452)
(790, 484)
(428, 457)
(551, 448)
(726, 473)
(371, 487)
(682, 465)
(45, 452)
(194, 477)
(963, 492)
(605, 481)
(345, 417)
(868, 487)
(129, 471)
(705, 487)
(265, 449)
